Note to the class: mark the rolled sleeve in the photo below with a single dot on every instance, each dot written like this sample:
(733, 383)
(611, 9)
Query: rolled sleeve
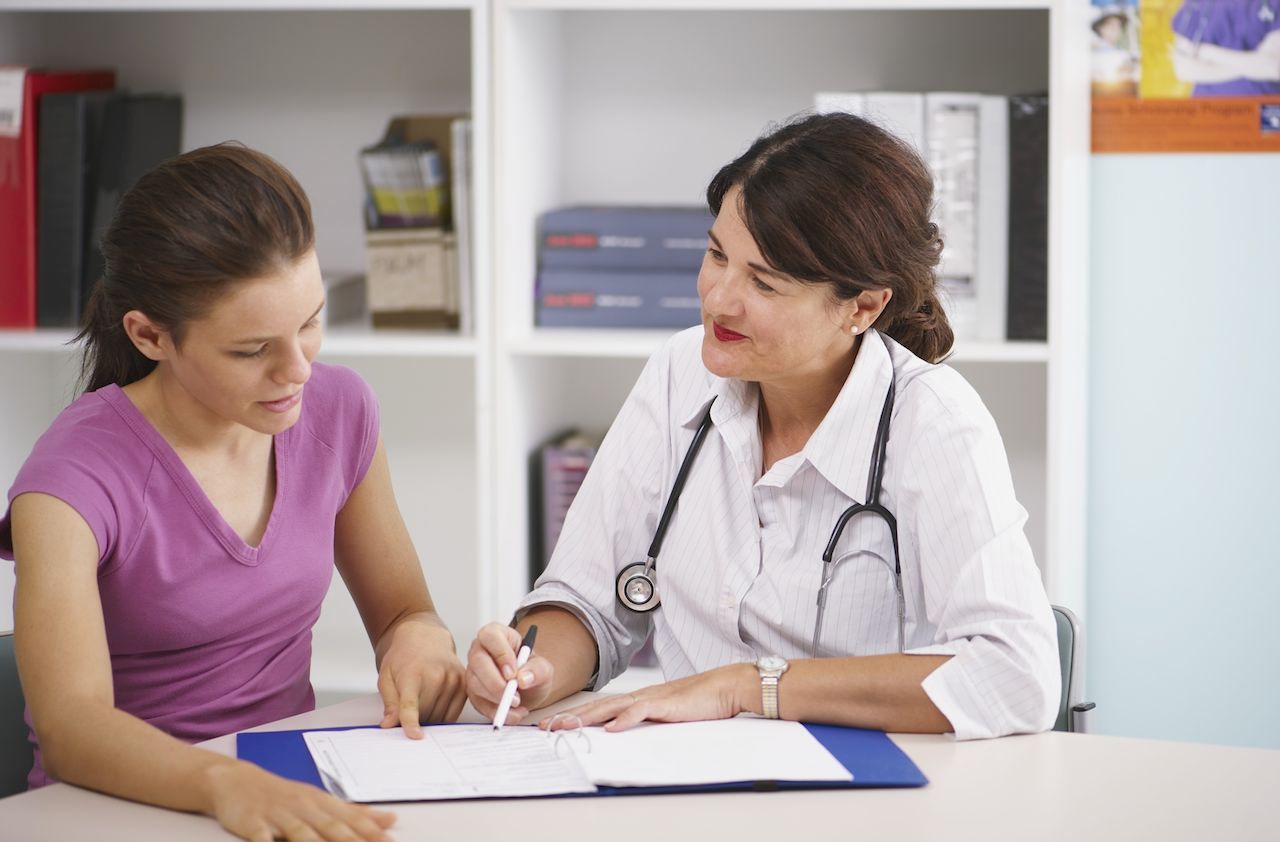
(981, 588)
(1002, 677)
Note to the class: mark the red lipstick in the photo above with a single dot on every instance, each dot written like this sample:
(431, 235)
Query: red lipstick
(726, 335)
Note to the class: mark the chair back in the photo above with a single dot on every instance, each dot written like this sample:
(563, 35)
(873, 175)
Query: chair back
(15, 749)
(1071, 707)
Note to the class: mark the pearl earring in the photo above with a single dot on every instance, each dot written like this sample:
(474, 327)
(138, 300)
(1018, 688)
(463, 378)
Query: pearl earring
(853, 330)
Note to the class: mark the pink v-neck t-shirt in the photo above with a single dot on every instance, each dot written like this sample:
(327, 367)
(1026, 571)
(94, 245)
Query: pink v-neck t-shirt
(207, 634)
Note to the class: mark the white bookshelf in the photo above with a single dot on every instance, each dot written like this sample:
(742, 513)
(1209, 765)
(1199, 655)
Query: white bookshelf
(573, 101)
(642, 102)
(40, 340)
(310, 83)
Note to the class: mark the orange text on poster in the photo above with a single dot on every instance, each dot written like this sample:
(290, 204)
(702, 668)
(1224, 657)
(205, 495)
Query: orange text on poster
(1211, 124)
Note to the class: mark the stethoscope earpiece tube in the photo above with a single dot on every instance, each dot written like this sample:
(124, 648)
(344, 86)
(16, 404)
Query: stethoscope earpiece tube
(875, 480)
(637, 584)
(681, 476)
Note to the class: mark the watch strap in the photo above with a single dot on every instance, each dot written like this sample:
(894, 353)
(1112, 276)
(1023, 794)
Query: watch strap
(769, 695)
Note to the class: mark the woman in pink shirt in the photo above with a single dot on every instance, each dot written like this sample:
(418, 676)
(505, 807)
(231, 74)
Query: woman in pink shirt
(176, 528)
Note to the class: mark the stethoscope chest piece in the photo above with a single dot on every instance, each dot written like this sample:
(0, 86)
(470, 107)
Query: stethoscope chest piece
(637, 584)
(637, 587)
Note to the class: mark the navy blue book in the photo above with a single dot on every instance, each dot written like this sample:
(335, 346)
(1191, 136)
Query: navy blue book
(594, 298)
(636, 238)
(874, 760)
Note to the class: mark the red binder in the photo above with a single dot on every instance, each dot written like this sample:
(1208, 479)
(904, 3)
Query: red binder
(18, 180)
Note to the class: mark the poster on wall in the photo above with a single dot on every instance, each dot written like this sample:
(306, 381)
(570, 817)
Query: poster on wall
(1185, 75)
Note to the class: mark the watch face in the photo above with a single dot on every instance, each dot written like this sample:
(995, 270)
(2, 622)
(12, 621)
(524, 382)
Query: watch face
(771, 662)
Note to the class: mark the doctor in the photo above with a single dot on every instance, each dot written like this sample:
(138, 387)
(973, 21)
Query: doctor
(810, 420)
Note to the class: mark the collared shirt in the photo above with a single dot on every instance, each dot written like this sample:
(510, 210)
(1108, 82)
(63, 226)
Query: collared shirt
(740, 566)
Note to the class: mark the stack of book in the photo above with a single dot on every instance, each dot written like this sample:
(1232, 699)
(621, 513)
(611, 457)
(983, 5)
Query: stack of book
(989, 157)
(417, 219)
(70, 147)
(620, 266)
(559, 467)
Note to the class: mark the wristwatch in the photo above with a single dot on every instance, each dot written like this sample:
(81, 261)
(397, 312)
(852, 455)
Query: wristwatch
(771, 668)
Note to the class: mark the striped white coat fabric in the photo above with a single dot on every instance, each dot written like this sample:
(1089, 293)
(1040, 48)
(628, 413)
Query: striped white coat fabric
(739, 569)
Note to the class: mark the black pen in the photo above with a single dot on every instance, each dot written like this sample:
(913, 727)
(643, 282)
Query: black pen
(522, 658)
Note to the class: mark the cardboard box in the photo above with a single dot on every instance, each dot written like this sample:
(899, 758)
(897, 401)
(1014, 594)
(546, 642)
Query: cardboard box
(409, 282)
(412, 279)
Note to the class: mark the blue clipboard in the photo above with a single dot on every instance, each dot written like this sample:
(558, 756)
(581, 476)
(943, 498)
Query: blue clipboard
(874, 760)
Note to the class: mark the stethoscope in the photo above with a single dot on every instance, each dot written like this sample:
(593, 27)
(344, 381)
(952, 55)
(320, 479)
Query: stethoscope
(637, 584)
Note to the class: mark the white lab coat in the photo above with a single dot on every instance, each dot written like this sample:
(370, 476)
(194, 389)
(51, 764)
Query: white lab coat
(740, 566)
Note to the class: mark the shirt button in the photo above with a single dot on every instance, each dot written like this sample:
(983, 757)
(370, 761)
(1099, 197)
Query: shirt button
(728, 603)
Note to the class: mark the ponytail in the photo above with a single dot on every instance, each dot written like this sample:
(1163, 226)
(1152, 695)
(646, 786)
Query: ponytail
(924, 331)
(915, 318)
(108, 355)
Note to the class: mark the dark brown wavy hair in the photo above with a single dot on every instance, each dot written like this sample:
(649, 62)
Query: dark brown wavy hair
(834, 199)
(185, 233)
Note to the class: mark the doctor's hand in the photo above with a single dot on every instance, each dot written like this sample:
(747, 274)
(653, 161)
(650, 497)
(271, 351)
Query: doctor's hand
(420, 678)
(491, 663)
(720, 693)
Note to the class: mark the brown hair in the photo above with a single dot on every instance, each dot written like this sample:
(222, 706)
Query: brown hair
(835, 199)
(181, 236)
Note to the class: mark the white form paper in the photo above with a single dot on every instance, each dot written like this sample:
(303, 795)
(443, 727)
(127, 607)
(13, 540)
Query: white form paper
(450, 761)
(472, 761)
(719, 751)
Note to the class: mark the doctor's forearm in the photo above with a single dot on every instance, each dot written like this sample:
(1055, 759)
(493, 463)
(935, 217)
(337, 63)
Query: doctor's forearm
(567, 644)
(878, 691)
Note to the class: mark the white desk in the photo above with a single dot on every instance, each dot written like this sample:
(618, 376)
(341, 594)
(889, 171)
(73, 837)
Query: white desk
(1048, 786)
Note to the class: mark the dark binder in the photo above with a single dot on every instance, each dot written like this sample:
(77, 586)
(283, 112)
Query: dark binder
(67, 161)
(139, 132)
(1028, 291)
(874, 760)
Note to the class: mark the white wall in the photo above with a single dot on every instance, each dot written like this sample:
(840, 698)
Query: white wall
(1184, 542)
(25, 416)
